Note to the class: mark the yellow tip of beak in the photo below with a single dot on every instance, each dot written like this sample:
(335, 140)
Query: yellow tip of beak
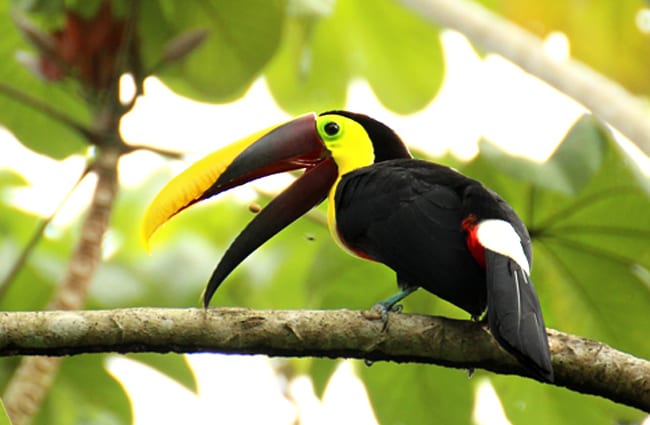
(190, 185)
(145, 236)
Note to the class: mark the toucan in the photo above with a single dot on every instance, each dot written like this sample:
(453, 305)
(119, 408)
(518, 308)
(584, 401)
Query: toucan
(436, 228)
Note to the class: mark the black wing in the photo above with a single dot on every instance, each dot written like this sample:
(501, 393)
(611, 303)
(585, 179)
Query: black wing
(407, 214)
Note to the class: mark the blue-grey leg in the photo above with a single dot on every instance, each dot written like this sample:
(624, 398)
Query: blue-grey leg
(390, 305)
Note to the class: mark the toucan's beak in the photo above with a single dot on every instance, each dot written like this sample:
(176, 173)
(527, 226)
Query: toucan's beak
(290, 146)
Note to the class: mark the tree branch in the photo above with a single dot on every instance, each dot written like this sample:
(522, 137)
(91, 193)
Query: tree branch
(605, 98)
(580, 364)
(34, 375)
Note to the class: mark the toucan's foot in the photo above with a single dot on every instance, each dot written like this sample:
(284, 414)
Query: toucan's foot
(391, 305)
(383, 308)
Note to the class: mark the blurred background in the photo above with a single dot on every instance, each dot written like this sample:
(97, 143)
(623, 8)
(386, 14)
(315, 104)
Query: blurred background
(114, 98)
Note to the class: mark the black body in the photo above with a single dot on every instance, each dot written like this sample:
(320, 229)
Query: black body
(408, 214)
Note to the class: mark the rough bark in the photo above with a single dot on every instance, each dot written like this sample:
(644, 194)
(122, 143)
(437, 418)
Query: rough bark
(580, 364)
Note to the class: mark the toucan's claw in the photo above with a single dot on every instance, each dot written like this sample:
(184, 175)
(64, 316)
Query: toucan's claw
(397, 308)
(391, 305)
(384, 308)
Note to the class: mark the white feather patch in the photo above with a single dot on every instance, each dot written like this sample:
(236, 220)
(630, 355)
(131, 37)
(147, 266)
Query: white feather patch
(499, 236)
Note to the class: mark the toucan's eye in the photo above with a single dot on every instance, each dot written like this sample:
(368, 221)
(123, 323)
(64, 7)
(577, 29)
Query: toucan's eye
(332, 128)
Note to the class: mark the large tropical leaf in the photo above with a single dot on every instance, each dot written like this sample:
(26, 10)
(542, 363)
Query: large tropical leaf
(586, 210)
(84, 392)
(174, 366)
(241, 38)
(591, 246)
(418, 394)
(325, 47)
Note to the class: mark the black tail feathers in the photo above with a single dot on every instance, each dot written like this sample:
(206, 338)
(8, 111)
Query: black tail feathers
(514, 314)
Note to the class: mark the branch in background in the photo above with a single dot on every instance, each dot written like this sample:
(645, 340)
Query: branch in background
(605, 98)
(34, 375)
(580, 364)
(47, 110)
(128, 148)
(18, 264)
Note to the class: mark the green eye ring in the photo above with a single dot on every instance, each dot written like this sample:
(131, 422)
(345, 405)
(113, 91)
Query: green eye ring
(331, 130)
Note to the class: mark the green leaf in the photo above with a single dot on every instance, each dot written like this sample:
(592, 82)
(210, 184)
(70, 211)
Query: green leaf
(174, 366)
(418, 394)
(275, 275)
(242, 37)
(59, 407)
(309, 72)
(527, 402)
(35, 129)
(84, 392)
(10, 178)
(343, 281)
(591, 252)
(573, 164)
(596, 242)
(323, 50)
(320, 371)
(34, 283)
(4, 418)
(405, 79)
